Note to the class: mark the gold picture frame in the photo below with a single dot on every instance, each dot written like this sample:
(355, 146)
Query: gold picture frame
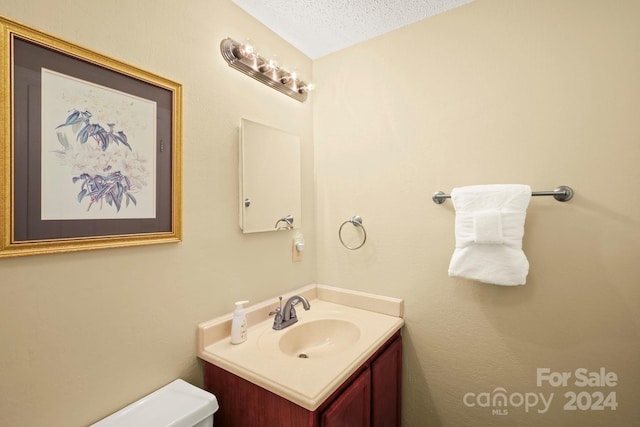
(91, 149)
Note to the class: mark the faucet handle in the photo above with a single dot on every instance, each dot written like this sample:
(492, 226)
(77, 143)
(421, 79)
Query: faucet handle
(278, 310)
(277, 321)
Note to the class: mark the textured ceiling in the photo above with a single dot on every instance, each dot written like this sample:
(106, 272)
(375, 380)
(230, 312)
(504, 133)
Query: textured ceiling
(320, 27)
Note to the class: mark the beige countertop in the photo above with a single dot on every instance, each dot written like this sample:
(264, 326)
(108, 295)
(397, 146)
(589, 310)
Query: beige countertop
(304, 381)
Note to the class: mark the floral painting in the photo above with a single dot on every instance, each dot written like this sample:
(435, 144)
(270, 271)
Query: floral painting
(98, 151)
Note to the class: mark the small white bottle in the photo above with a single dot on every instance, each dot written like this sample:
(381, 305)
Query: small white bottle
(239, 324)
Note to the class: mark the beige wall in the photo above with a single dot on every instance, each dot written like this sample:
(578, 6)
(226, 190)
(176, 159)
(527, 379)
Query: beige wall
(83, 334)
(544, 93)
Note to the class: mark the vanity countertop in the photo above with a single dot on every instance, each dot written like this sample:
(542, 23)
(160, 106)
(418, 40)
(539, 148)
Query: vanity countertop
(304, 381)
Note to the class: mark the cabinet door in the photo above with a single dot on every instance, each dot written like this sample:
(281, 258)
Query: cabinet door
(386, 386)
(353, 407)
(244, 404)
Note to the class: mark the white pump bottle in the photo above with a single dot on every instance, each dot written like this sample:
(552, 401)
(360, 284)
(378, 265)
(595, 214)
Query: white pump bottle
(239, 324)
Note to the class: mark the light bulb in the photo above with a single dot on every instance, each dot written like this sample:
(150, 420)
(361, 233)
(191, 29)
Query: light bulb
(268, 66)
(306, 88)
(286, 78)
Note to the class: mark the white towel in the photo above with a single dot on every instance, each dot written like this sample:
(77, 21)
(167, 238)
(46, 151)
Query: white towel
(489, 228)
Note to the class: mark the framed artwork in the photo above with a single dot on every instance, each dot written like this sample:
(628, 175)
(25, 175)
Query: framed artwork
(90, 151)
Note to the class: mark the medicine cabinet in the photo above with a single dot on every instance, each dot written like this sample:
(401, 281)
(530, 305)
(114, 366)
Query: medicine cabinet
(269, 172)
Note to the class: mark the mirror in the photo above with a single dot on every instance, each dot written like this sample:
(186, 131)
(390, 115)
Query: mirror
(269, 178)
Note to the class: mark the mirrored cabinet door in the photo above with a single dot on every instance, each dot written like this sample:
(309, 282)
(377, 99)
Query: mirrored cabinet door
(269, 178)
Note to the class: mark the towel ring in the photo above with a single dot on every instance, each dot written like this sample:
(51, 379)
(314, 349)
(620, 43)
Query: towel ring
(356, 221)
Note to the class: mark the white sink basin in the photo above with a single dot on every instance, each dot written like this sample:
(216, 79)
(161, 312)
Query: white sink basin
(319, 338)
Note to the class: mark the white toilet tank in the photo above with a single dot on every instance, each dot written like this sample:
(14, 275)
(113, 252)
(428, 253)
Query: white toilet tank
(178, 404)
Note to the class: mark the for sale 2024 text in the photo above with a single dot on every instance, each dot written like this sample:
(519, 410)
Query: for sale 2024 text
(585, 400)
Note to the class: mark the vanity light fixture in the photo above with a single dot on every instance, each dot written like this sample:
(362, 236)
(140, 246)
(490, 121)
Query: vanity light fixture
(242, 57)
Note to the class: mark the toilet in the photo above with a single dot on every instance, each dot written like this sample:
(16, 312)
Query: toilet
(178, 404)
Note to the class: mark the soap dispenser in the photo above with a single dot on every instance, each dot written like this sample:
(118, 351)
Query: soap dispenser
(239, 324)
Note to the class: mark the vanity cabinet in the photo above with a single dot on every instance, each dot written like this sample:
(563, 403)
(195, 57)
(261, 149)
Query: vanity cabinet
(371, 397)
(352, 407)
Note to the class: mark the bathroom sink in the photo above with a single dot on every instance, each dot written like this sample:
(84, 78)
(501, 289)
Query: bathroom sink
(308, 360)
(319, 338)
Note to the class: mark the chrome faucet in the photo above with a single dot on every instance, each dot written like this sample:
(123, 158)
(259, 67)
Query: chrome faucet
(286, 316)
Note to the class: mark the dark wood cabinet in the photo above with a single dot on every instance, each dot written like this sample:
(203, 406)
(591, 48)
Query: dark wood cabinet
(352, 408)
(386, 386)
(371, 397)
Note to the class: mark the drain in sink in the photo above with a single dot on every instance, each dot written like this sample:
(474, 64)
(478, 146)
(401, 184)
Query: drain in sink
(303, 356)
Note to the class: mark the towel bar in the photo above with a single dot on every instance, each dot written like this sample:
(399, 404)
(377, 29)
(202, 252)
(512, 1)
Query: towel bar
(561, 194)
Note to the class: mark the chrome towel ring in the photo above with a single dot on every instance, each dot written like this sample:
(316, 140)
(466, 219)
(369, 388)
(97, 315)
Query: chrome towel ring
(356, 221)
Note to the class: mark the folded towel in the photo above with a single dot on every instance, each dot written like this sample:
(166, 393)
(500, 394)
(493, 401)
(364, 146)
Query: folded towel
(489, 227)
